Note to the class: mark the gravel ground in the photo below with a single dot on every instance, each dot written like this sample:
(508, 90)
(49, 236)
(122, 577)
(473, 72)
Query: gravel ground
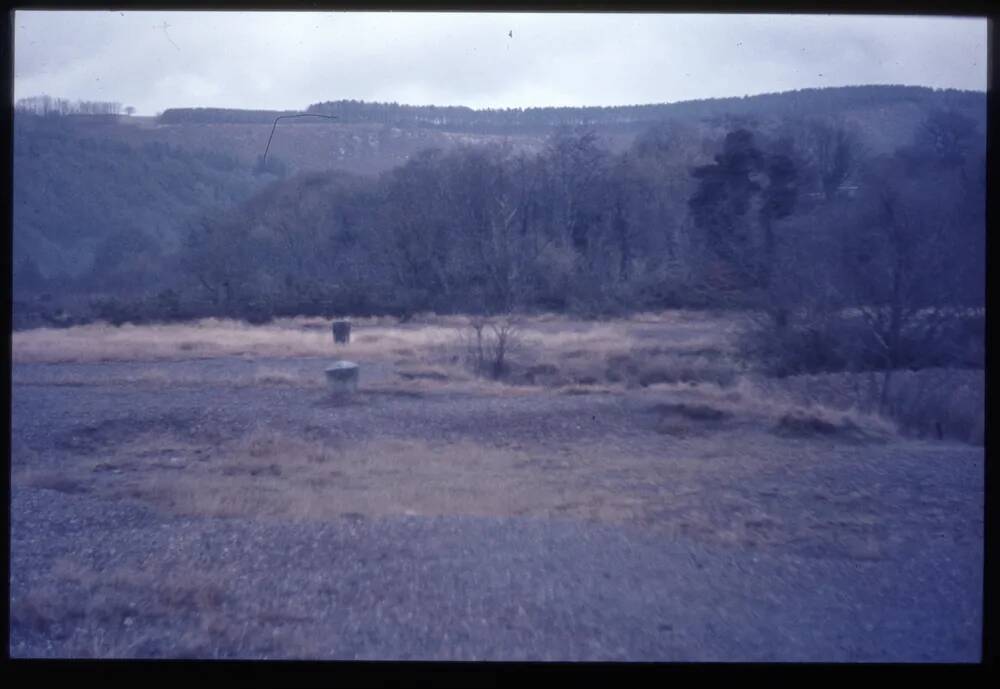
(100, 578)
(504, 589)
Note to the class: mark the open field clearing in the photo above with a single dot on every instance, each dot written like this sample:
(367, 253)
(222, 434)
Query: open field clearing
(629, 493)
(382, 338)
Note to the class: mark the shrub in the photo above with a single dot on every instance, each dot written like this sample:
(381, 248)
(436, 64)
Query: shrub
(832, 342)
(932, 403)
(488, 343)
(117, 311)
(939, 404)
(784, 350)
(168, 305)
(257, 311)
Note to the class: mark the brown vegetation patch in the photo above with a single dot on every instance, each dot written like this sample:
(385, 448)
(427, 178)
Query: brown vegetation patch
(332, 400)
(163, 377)
(937, 404)
(802, 425)
(113, 613)
(272, 376)
(940, 404)
(621, 367)
(587, 389)
(805, 425)
(659, 365)
(545, 375)
(695, 412)
(396, 392)
(94, 437)
(698, 483)
(683, 419)
(52, 480)
(272, 473)
(423, 374)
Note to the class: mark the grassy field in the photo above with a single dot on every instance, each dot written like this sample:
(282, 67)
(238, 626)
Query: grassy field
(548, 353)
(651, 422)
(674, 374)
(677, 368)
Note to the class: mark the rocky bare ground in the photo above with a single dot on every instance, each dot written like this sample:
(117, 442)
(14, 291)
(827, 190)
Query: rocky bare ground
(559, 527)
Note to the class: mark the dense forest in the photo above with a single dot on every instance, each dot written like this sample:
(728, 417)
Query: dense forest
(798, 217)
(99, 208)
(799, 223)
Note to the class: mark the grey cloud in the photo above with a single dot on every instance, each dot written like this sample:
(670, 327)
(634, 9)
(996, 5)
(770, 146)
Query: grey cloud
(288, 60)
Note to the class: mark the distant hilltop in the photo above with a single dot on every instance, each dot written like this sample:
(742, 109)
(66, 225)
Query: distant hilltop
(803, 102)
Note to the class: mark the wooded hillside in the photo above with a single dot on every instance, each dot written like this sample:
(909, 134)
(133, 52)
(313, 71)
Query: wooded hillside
(834, 194)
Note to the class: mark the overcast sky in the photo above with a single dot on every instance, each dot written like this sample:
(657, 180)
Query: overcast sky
(158, 60)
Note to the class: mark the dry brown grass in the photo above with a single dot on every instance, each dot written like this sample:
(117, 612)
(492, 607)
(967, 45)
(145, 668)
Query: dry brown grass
(262, 375)
(375, 338)
(96, 612)
(557, 352)
(281, 474)
(920, 402)
(690, 467)
(266, 375)
(275, 474)
(410, 370)
(54, 480)
(753, 405)
(631, 352)
(213, 337)
(692, 482)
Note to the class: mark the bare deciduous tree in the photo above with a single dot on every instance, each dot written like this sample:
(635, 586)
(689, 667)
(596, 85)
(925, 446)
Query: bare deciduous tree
(488, 344)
